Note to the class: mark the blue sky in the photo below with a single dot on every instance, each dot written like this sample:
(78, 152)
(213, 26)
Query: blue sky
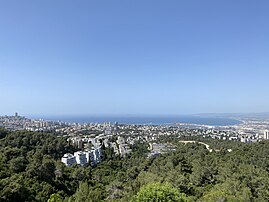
(133, 57)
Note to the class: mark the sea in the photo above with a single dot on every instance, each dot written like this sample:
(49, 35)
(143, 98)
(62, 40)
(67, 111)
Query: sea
(146, 120)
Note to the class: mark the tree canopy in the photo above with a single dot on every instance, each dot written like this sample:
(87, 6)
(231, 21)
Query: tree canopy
(30, 170)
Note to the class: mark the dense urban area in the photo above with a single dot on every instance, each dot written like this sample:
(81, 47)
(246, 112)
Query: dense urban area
(249, 130)
(45, 160)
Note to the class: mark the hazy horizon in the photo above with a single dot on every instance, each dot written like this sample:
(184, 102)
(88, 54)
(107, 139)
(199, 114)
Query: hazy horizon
(116, 115)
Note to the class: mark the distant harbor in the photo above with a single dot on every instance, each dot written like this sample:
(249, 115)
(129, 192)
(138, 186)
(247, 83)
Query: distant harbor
(147, 120)
(245, 129)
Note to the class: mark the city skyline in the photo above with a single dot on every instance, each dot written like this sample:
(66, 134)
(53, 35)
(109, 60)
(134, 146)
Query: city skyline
(142, 57)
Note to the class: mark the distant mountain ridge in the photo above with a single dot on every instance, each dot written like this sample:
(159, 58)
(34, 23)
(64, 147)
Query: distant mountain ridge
(235, 115)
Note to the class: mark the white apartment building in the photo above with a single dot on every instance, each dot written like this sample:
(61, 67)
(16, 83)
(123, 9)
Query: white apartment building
(90, 157)
(80, 158)
(266, 135)
(69, 159)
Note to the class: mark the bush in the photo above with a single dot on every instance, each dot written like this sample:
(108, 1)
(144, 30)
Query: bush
(157, 192)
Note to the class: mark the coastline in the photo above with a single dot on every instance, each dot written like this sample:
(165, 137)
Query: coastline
(148, 120)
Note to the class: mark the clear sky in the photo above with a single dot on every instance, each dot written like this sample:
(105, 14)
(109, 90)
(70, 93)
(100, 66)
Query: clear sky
(134, 56)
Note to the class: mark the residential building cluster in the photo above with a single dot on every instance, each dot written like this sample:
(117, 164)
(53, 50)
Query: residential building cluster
(158, 149)
(17, 122)
(83, 158)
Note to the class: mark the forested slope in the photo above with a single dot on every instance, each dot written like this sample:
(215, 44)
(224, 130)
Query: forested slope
(30, 170)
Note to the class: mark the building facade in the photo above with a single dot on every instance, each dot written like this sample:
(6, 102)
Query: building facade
(266, 135)
(69, 159)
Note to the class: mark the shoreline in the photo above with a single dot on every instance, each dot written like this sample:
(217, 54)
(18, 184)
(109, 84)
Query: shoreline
(149, 120)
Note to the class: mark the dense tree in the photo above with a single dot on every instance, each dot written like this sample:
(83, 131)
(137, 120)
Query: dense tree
(13, 189)
(158, 192)
(3, 132)
(55, 198)
(18, 164)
